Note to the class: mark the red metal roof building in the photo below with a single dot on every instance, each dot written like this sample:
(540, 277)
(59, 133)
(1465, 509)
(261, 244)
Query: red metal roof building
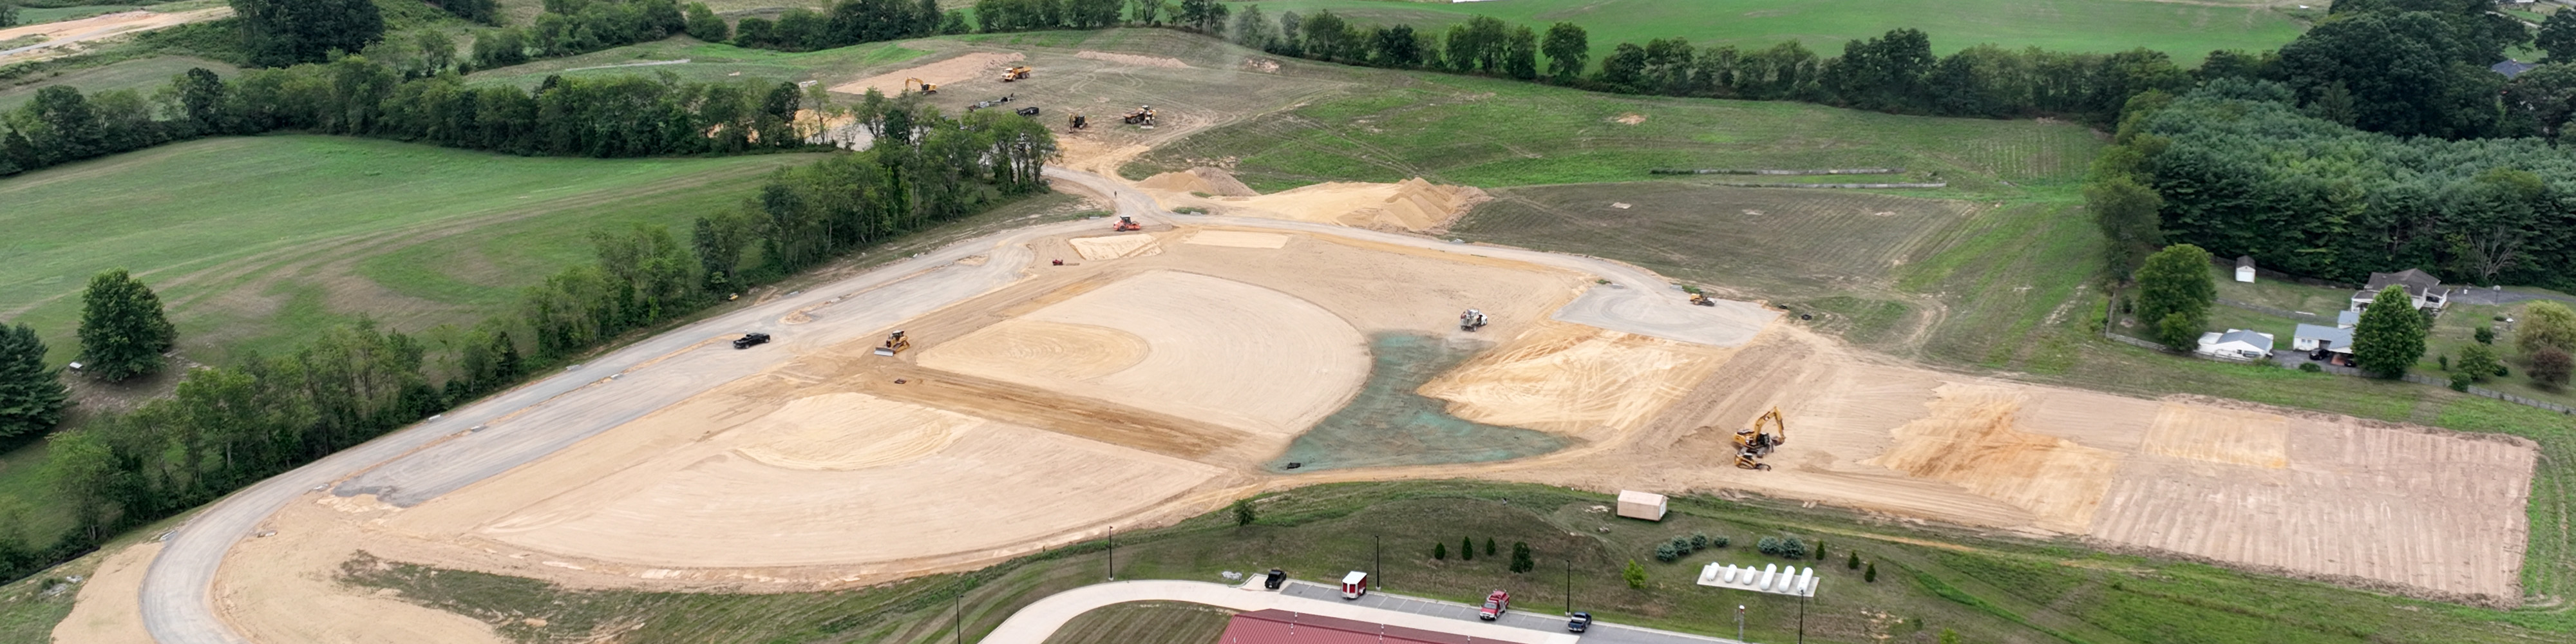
(1275, 626)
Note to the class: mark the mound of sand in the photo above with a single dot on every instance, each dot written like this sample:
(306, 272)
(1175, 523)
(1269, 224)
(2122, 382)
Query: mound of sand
(953, 70)
(1051, 349)
(1202, 180)
(1238, 239)
(1115, 246)
(815, 433)
(1969, 440)
(1574, 379)
(1221, 351)
(1133, 59)
(1412, 205)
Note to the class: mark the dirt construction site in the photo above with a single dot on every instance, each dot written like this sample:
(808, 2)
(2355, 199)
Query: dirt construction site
(1065, 380)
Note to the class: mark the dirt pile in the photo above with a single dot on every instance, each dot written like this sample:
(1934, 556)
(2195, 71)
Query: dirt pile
(1575, 380)
(1412, 205)
(1202, 180)
(1970, 440)
(962, 68)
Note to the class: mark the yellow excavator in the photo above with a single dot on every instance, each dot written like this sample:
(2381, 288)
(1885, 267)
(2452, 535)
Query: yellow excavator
(894, 344)
(925, 86)
(1752, 444)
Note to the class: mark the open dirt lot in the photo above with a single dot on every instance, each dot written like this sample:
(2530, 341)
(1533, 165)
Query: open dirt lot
(61, 38)
(1141, 389)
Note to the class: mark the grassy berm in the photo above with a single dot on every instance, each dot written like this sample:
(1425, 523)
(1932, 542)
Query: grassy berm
(1986, 588)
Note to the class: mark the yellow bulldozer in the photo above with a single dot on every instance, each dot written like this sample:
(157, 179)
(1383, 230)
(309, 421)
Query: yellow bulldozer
(894, 344)
(1016, 72)
(1701, 299)
(926, 87)
(1752, 444)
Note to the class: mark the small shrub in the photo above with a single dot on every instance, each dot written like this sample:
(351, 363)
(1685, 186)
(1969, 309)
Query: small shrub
(1948, 637)
(2550, 366)
(2460, 381)
(2484, 335)
(1718, 542)
(1768, 546)
(1523, 560)
(1820, 551)
(1243, 512)
(1440, 552)
(1870, 575)
(1190, 210)
(1852, 563)
(2310, 367)
(1792, 548)
(1635, 574)
(1699, 541)
(1489, 546)
(1664, 552)
(1683, 545)
(2443, 361)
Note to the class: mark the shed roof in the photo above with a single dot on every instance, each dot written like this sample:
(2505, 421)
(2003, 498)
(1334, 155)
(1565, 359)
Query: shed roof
(2245, 261)
(2336, 338)
(2255, 339)
(1633, 496)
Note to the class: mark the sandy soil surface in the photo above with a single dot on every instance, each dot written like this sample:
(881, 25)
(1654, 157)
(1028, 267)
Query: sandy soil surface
(106, 611)
(1412, 205)
(1238, 239)
(953, 70)
(1575, 380)
(1231, 353)
(60, 36)
(1115, 246)
(1136, 60)
(285, 587)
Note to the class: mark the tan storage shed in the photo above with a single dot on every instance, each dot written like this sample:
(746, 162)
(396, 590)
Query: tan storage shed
(1641, 505)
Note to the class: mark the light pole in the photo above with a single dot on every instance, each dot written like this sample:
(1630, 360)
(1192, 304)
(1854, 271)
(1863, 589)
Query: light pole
(1739, 622)
(958, 613)
(1569, 586)
(1380, 560)
(1113, 553)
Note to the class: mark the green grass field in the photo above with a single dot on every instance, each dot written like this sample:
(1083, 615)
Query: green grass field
(707, 63)
(254, 243)
(145, 75)
(2187, 30)
(1987, 589)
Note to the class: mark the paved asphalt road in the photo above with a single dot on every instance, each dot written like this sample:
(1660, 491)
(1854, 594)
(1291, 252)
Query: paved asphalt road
(469, 444)
(1527, 616)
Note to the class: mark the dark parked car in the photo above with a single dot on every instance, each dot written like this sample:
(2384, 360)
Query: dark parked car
(1579, 623)
(1277, 578)
(749, 339)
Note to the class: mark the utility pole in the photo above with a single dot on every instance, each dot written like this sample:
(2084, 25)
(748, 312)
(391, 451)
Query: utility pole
(1569, 586)
(1113, 553)
(958, 612)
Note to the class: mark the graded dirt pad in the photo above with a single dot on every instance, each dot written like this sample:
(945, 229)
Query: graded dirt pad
(1134, 60)
(2238, 436)
(285, 587)
(2359, 502)
(1575, 380)
(59, 36)
(107, 610)
(1412, 205)
(1238, 239)
(953, 70)
(1232, 353)
(1970, 440)
(1115, 246)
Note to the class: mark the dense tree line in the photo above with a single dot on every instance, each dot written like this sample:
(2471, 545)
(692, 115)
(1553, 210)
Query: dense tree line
(2236, 168)
(277, 33)
(845, 23)
(618, 116)
(569, 27)
(227, 427)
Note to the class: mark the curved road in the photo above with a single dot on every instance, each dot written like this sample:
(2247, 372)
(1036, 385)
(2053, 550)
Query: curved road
(471, 443)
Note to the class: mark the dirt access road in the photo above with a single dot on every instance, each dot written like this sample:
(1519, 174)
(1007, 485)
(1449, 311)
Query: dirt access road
(479, 441)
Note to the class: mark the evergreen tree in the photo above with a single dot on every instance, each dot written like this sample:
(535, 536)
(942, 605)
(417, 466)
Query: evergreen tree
(1853, 562)
(1243, 512)
(1523, 560)
(122, 329)
(2558, 37)
(280, 33)
(2390, 337)
(1466, 549)
(2174, 294)
(1489, 546)
(1440, 551)
(1871, 574)
(32, 397)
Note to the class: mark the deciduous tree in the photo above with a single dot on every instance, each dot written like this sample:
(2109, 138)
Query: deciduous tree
(2174, 294)
(2390, 337)
(123, 330)
(2551, 365)
(1568, 49)
(278, 33)
(2545, 324)
(2478, 361)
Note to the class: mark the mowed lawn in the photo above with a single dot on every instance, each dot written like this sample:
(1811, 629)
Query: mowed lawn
(254, 243)
(2187, 30)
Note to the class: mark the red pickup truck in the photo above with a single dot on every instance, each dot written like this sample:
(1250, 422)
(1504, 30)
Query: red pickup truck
(1495, 605)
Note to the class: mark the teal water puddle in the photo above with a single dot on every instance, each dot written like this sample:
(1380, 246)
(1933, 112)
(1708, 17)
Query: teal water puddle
(1388, 424)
